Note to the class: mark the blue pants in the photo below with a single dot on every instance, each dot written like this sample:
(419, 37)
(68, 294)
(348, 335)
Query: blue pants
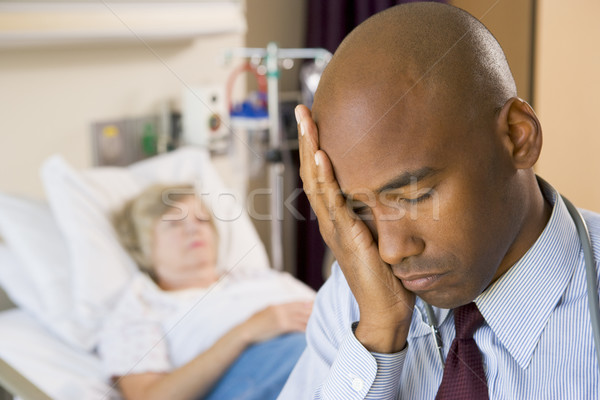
(261, 371)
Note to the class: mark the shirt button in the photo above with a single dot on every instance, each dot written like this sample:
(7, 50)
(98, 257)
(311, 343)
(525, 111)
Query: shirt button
(357, 384)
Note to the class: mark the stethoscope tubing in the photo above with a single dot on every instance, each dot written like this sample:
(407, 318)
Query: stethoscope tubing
(591, 279)
(591, 275)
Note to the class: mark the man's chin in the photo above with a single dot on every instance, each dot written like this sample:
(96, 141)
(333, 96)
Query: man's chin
(446, 300)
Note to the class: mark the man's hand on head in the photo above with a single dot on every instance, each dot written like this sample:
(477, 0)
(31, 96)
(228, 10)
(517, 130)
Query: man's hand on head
(385, 305)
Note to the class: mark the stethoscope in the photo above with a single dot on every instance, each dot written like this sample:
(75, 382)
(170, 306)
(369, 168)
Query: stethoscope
(591, 278)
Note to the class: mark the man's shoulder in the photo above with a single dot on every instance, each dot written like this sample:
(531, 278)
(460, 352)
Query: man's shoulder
(335, 295)
(592, 220)
(336, 284)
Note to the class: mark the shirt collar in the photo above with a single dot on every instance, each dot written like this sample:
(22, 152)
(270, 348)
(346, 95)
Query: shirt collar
(420, 324)
(518, 305)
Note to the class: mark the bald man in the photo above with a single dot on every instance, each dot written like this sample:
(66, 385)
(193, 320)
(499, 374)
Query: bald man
(418, 162)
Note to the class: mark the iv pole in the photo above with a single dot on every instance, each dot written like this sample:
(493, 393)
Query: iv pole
(271, 55)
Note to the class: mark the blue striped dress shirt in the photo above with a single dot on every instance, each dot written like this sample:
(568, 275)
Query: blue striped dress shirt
(536, 342)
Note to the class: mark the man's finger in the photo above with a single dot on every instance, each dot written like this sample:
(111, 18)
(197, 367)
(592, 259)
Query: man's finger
(305, 147)
(331, 193)
(307, 126)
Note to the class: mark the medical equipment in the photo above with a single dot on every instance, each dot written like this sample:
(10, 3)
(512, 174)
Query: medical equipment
(205, 117)
(592, 286)
(271, 55)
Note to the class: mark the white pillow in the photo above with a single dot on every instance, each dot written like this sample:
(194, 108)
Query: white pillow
(34, 265)
(15, 282)
(101, 268)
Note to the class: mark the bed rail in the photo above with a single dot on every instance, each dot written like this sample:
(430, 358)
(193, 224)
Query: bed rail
(18, 385)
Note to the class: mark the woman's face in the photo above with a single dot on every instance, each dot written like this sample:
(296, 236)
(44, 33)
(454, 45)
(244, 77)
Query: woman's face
(184, 251)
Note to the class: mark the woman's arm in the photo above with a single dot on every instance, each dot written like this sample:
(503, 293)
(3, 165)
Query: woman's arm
(197, 377)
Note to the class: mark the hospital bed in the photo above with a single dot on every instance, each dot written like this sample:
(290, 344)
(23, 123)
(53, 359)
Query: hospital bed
(63, 268)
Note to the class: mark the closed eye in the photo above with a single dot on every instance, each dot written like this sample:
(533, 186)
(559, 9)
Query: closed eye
(419, 197)
(423, 197)
(360, 211)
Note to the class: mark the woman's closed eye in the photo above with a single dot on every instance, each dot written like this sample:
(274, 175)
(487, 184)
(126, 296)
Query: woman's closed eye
(171, 222)
(202, 219)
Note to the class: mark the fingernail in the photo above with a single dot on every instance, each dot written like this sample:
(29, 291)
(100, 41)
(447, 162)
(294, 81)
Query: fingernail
(297, 112)
(316, 159)
(302, 129)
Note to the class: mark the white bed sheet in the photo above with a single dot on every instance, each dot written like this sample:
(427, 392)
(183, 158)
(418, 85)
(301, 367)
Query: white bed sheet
(58, 369)
(64, 298)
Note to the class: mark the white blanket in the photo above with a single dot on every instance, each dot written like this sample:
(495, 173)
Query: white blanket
(157, 331)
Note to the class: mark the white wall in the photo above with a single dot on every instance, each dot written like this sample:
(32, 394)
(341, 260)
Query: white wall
(50, 94)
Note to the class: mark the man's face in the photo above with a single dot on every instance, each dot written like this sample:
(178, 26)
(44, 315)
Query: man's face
(430, 182)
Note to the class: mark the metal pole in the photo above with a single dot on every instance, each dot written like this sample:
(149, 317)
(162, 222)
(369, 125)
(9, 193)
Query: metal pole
(276, 168)
(272, 54)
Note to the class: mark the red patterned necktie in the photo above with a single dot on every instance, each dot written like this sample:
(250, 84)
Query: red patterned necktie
(464, 378)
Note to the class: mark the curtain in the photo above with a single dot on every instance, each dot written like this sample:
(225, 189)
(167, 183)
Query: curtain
(330, 21)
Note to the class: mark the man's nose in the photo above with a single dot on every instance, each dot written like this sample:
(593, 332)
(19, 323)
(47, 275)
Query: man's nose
(397, 239)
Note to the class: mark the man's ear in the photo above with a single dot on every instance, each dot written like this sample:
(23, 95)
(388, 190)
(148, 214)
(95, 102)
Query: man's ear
(523, 132)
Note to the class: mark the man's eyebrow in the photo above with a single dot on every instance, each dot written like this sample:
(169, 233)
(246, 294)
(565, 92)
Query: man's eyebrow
(406, 178)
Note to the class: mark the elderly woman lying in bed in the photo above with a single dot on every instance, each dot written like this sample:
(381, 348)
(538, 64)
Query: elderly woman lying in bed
(185, 331)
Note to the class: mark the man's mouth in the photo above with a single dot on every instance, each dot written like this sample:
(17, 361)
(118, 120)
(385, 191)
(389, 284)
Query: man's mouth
(421, 282)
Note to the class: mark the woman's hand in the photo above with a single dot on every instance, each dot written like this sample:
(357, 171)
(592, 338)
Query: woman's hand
(385, 305)
(194, 379)
(276, 320)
